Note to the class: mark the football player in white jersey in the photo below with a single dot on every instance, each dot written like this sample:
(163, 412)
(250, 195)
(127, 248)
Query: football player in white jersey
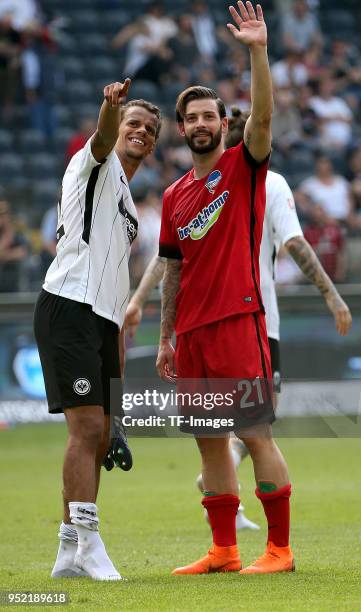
(80, 313)
(281, 227)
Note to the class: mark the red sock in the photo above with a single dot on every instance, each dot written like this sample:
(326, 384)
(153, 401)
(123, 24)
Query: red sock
(222, 510)
(276, 505)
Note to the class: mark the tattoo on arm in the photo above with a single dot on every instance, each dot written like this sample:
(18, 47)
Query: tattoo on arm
(170, 288)
(151, 278)
(308, 262)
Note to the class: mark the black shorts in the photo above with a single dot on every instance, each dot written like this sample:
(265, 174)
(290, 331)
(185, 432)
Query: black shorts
(78, 351)
(274, 347)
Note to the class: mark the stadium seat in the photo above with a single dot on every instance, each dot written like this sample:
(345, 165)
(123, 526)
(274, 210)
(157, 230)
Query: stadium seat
(145, 89)
(104, 68)
(11, 167)
(6, 141)
(110, 22)
(79, 91)
(60, 140)
(45, 193)
(32, 141)
(41, 166)
(83, 21)
(62, 115)
(72, 66)
(92, 44)
(299, 162)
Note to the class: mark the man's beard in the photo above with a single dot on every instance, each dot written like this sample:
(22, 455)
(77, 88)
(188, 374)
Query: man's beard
(205, 148)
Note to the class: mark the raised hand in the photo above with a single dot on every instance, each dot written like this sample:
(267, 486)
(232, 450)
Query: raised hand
(251, 29)
(116, 92)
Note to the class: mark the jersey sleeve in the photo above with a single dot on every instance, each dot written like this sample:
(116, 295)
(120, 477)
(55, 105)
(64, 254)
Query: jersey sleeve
(261, 166)
(282, 209)
(168, 244)
(87, 160)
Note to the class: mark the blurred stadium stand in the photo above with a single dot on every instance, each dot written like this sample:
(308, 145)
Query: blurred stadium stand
(83, 60)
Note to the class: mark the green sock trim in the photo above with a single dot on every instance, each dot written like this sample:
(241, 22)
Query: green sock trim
(267, 487)
(209, 493)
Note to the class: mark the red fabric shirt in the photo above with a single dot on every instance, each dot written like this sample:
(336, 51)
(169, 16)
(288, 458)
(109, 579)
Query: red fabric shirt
(214, 225)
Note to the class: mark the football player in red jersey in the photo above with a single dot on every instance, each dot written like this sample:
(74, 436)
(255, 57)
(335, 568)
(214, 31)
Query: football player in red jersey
(211, 233)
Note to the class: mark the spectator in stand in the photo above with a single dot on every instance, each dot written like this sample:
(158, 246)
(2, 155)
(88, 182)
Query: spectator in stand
(327, 190)
(39, 77)
(286, 122)
(14, 250)
(204, 31)
(161, 27)
(326, 238)
(184, 47)
(48, 238)
(300, 28)
(10, 40)
(309, 120)
(147, 58)
(334, 115)
(342, 58)
(290, 71)
(87, 128)
(352, 91)
(23, 12)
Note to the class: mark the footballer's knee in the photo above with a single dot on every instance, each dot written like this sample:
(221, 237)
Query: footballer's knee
(258, 445)
(213, 447)
(85, 425)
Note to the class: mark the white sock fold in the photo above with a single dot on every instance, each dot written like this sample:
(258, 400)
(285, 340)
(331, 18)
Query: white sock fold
(84, 513)
(68, 533)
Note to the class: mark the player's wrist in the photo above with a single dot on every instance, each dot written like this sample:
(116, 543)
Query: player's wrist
(165, 339)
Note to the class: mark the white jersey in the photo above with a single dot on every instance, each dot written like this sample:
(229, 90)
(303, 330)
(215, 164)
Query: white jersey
(280, 224)
(97, 222)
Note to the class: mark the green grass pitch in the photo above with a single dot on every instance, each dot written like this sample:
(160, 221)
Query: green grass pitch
(152, 521)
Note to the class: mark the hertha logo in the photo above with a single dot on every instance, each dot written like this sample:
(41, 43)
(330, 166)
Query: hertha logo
(213, 180)
(82, 386)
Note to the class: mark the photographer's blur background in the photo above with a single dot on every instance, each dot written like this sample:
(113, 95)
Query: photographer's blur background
(55, 58)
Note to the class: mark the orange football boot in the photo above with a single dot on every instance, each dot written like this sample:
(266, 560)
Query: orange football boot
(275, 559)
(218, 559)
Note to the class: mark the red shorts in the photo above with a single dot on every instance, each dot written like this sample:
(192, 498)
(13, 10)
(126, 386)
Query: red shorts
(235, 347)
(228, 361)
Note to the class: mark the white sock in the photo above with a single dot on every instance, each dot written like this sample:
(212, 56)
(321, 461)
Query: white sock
(236, 457)
(91, 555)
(64, 564)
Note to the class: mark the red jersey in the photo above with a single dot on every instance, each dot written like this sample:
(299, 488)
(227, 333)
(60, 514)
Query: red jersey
(214, 225)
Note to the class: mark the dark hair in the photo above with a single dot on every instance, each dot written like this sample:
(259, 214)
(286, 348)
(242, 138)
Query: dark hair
(236, 125)
(151, 108)
(197, 92)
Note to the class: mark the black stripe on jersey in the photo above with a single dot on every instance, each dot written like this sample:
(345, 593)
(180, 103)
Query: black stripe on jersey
(60, 233)
(169, 251)
(131, 222)
(252, 226)
(89, 200)
(274, 253)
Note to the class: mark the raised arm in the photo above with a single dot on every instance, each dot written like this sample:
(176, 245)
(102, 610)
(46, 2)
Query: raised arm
(171, 279)
(107, 131)
(150, 279)
(251, 30)
(307, 260)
